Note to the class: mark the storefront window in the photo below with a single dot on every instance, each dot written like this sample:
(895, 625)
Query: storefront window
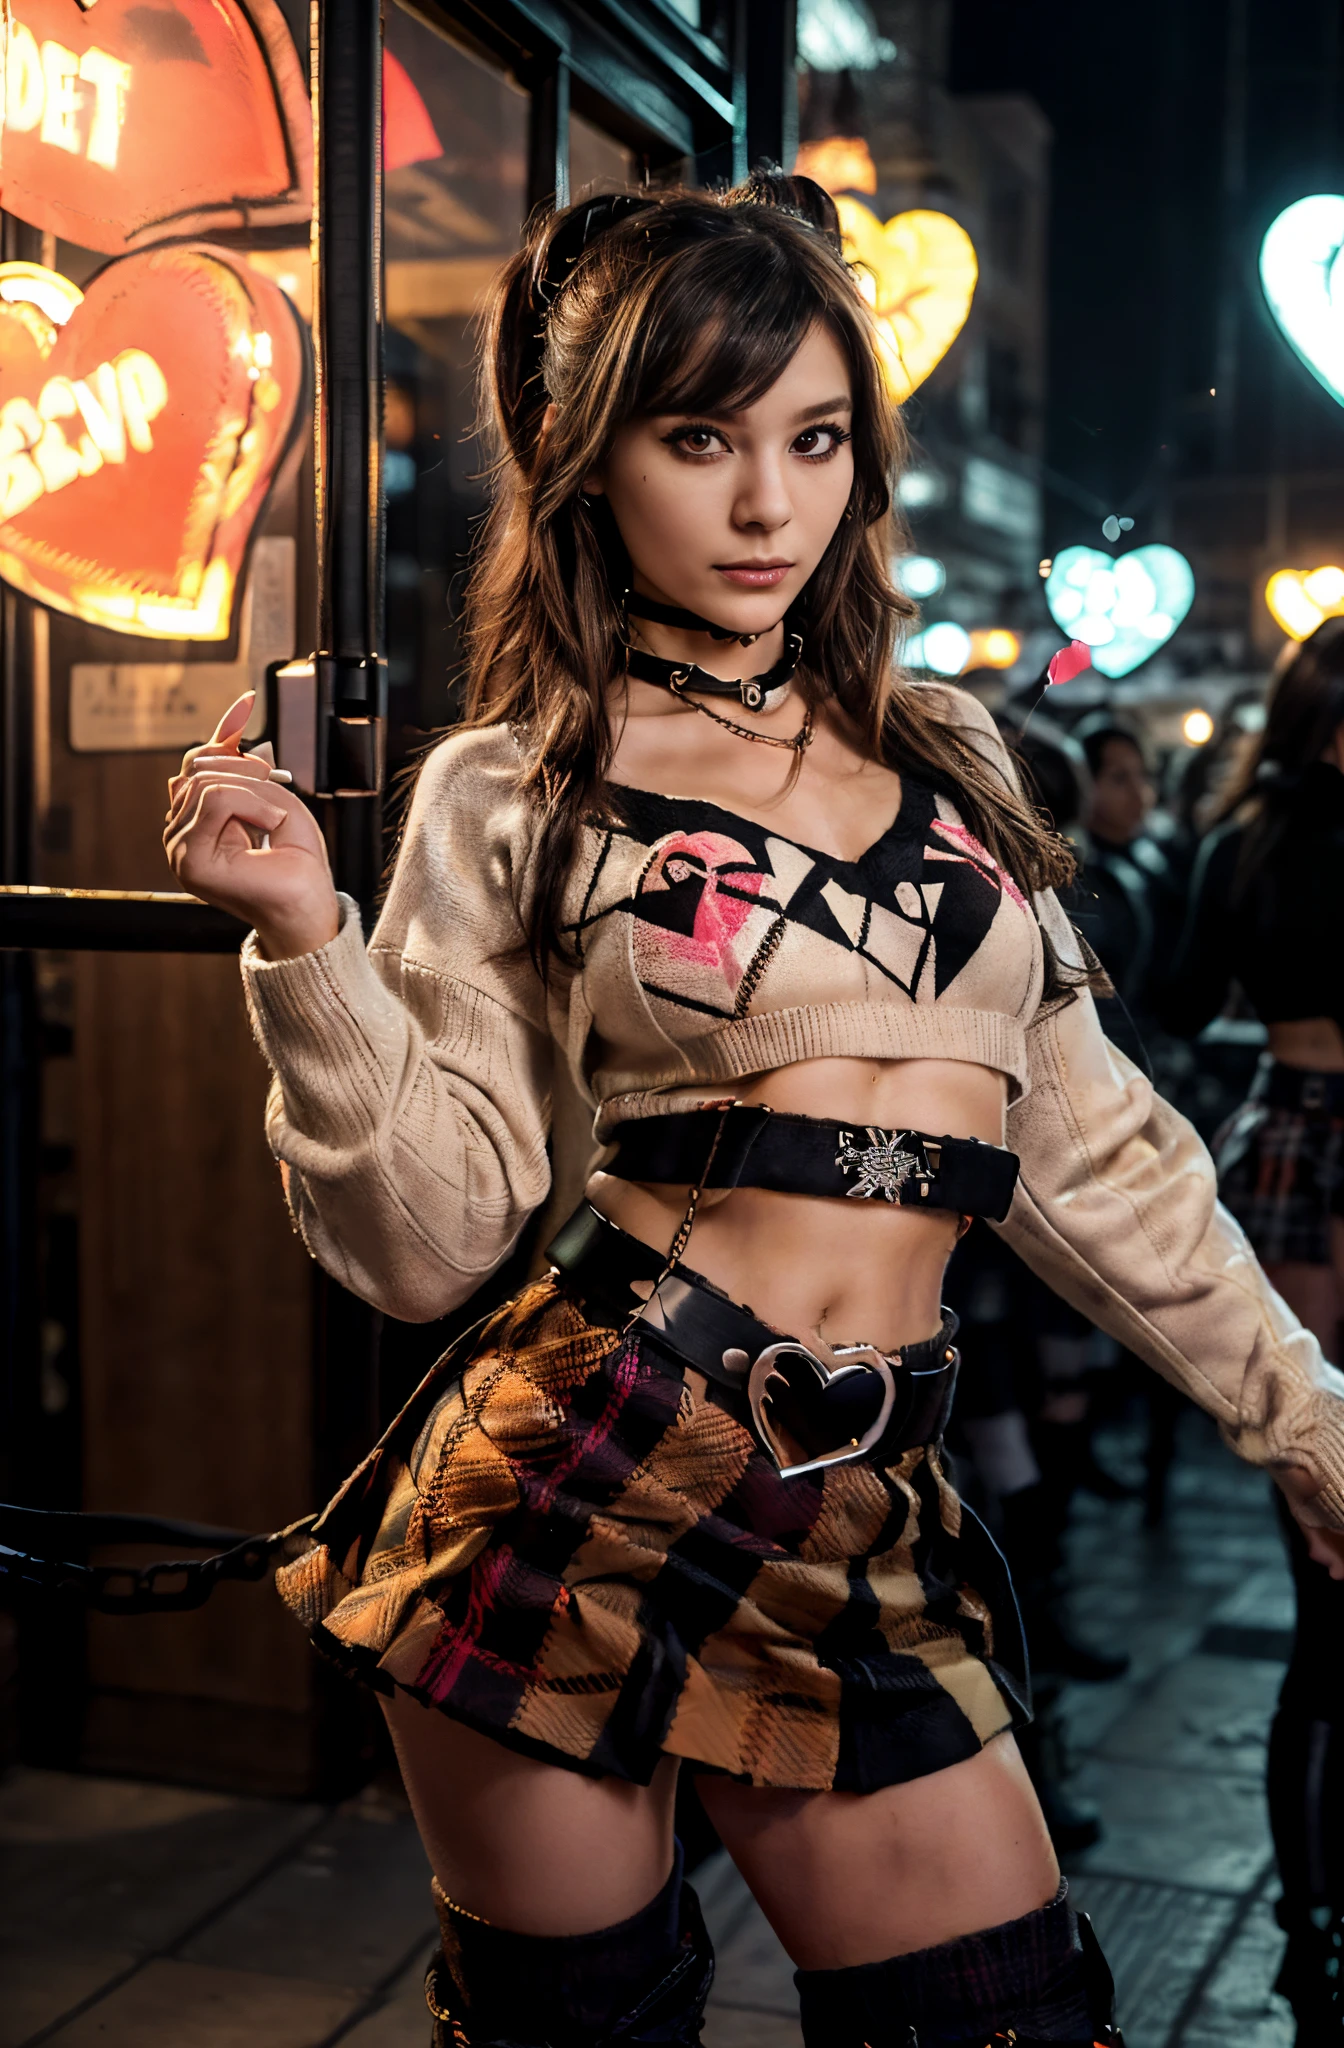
(597, 161)
(455, 200)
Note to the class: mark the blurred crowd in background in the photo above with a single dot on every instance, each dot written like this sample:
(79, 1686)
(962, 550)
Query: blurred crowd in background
(1210, 885)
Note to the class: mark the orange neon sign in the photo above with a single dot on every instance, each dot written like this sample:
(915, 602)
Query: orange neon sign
(141, 425)
(125, 123)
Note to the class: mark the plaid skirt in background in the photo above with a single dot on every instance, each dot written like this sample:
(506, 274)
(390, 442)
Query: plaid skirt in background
(565, 1546)
(1281, 1173)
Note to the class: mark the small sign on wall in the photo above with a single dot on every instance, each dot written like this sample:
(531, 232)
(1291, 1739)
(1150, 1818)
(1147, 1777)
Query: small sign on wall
(149, 706)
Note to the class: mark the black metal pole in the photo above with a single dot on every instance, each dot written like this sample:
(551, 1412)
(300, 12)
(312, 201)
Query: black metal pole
(548, 136)
(769, 32)
(348, 338)
(351, 547)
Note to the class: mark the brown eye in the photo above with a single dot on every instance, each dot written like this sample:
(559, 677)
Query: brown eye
(818, 444)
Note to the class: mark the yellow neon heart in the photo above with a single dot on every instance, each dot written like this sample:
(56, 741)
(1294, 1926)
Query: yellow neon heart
(1299, 599)
(919, 273)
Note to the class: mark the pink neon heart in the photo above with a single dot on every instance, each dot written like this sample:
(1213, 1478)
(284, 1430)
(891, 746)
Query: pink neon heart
(1068, 663)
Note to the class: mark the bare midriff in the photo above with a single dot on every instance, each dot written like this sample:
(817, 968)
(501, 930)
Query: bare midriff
(1312, 1042)
(829, 1270)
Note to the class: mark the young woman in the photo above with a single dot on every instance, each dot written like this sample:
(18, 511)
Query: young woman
(1281, 1169)
(702, 866)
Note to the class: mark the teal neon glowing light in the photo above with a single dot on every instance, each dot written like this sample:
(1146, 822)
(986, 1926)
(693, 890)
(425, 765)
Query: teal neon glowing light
(1124, 608)
(1303, 278)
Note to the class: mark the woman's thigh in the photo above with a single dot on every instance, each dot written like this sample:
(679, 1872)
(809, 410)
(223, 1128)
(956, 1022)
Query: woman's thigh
(848, 1877)
(528, 1845)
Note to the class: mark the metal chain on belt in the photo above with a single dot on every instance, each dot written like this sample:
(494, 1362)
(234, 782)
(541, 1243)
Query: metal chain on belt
(34, 1543)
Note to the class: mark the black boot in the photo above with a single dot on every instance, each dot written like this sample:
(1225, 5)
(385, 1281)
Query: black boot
(641, 1983)
(1311, 1976)
(1039, 1982)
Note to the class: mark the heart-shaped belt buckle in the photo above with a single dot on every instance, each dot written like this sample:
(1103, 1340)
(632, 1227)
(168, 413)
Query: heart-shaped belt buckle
(787, 1418)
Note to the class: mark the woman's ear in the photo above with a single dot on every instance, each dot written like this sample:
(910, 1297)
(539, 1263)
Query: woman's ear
(594, 484)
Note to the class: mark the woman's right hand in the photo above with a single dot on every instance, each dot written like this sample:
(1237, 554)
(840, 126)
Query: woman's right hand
(248, 844)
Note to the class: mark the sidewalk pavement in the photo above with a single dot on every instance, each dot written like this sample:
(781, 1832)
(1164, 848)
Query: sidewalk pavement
(146, 1916)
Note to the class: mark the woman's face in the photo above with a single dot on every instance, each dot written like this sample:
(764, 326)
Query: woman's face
(728, 514)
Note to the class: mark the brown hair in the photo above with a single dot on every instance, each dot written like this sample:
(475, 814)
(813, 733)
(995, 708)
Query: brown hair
(684, 302)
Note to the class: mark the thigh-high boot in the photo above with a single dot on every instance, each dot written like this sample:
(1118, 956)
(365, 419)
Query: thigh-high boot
(1041, 1979)
(644, 1981)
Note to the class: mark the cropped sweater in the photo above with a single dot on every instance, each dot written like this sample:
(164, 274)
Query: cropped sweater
(426, 1084)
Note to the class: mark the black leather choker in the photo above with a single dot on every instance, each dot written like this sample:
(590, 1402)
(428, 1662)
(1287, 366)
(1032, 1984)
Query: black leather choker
(677, 615)
(755, 693)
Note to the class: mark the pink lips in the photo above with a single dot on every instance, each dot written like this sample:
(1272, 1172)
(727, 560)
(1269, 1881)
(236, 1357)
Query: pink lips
(754, 576)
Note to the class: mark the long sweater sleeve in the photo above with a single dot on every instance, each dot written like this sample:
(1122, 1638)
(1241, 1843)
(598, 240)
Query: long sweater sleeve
(1117, 1210)
(411, 1097)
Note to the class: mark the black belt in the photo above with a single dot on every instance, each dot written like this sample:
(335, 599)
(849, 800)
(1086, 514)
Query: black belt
(759, 1147)
(806, 1413)
(1301, 1088)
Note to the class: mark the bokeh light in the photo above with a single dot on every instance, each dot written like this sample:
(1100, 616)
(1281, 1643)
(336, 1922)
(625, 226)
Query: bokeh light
(946, 648)
(994, 647)
(920, 576)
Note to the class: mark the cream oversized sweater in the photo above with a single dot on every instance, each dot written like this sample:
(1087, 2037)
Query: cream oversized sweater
(424, 1083)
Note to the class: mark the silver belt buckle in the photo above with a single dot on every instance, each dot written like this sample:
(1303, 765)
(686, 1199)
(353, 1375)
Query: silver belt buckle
(883, 1166)
(854, 1358)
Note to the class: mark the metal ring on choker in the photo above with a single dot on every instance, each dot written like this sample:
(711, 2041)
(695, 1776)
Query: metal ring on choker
(765, 692)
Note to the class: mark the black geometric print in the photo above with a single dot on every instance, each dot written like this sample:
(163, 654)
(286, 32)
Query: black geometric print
(925, 872)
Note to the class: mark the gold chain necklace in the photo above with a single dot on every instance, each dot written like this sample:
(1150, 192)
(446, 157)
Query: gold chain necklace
(799, 744)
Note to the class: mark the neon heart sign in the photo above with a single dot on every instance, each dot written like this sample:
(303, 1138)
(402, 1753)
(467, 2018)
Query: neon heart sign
(141, 426)
(918, 271)
(1300, 600)
(1123, 608)
(127, 122)
(1303, 281)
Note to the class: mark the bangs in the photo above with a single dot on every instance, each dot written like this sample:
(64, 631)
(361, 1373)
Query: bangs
(725, 324)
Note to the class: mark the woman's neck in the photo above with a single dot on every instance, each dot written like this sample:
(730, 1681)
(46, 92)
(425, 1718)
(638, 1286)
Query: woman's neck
(725, 659)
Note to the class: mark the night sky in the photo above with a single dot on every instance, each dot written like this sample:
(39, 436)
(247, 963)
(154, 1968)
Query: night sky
(1171, 160)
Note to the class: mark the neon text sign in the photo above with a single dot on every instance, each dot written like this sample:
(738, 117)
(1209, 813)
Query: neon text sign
(75, 100)
(131, 476)
(124, 123)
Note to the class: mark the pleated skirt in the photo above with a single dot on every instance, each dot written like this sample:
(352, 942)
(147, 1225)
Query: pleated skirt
(563, 1544)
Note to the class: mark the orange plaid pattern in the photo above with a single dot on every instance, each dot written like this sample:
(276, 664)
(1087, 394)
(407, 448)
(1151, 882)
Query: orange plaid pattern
(567, 1546)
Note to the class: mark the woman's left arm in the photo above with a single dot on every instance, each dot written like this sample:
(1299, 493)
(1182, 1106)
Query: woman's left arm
(1117, 1210)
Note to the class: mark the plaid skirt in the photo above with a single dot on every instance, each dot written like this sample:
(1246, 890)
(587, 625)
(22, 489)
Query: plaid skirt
(1281, 1173)
(568, 1547)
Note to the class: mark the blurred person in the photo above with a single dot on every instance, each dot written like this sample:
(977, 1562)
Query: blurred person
(1023, 1351)
(1266, 915)
(1127, 902)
